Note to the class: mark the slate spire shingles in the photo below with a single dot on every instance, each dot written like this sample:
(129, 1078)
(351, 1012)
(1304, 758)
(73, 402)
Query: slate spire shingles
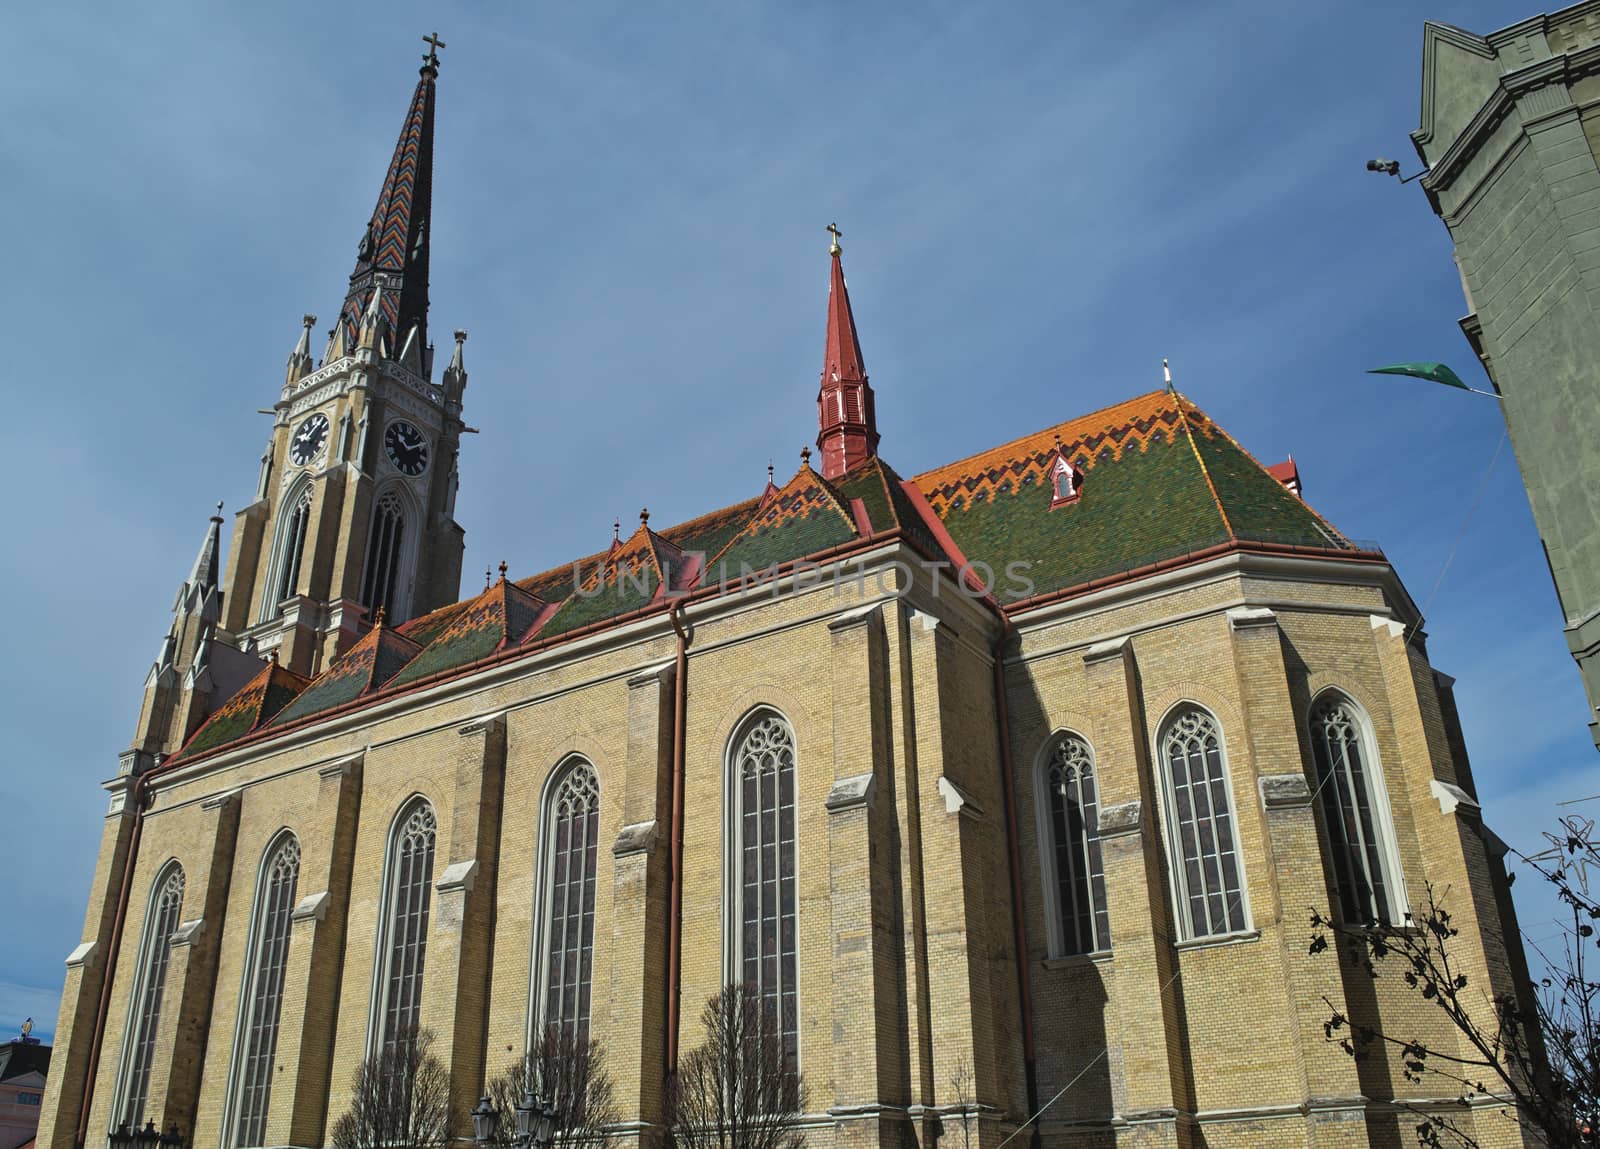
(393, 251)
(847, 422)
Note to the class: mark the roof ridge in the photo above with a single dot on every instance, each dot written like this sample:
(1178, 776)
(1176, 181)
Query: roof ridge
(1183, 417)
(1021, 439)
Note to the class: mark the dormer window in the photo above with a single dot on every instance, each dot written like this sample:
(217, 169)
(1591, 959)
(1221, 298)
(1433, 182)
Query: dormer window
(1066, 481)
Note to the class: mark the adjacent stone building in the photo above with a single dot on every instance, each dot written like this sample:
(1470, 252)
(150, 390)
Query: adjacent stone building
(1510, 128)
(1009, 785)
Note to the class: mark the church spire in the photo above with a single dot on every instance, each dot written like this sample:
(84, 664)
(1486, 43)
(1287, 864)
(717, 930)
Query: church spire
(393, 253)
(847, 425)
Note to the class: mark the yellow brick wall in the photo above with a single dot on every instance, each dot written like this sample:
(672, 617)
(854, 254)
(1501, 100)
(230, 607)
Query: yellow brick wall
(908, 975)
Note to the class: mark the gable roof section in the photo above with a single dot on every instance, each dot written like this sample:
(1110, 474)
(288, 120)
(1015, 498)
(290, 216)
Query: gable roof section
(1160, 480)
(365, 667)
(802, 518)
(501, 616)
(253, 707)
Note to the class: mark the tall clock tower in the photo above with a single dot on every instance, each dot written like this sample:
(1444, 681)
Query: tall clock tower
(354, 510)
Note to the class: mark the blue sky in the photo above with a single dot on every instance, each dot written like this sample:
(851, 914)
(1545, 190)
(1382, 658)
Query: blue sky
(1039, 202)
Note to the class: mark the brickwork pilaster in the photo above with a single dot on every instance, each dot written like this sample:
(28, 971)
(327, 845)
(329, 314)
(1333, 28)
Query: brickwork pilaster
(1147, 1028)
(179, 1058)
(641, 856)
(80, 994)
(868, 1023)
(298, 1108)
(461, 930)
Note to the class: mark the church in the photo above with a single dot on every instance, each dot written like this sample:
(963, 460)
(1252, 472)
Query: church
(1009, 786)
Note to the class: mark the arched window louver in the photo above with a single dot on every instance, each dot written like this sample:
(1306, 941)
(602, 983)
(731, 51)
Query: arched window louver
(292, 549)
(765, 949)
(1204, 844)
(1074, 873)
(263, 1000)
(403, 947)
(155, 948)
(571, 844)
(1355, 807)
(384, 543)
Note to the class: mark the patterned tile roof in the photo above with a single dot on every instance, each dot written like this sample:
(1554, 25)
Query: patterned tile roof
(1158, 480)
(804, 517)
(501, 616)
(256, 704)
(365, 667)
(395, 244)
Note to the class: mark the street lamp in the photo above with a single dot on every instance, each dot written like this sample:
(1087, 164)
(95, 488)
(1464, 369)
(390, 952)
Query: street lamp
(1392, 168)
(485, 1120)
(536, 1122)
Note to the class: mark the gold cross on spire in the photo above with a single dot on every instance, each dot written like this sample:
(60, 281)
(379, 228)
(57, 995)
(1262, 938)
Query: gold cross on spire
(833, 230)
(432, 58)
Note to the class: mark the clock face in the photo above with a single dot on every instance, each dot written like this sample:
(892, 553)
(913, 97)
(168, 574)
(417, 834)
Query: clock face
(309, 439)
(406, 447)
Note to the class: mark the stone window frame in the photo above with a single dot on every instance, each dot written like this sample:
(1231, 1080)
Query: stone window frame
(396, 499)
(1387, 845)
(250, 987)
(1048, 847)
(298, 500)
(162, 917)
(541, 951)
(1172, 830)
(733, 863)
(378, 1020)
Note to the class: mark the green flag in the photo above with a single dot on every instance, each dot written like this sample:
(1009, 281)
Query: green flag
(1434, 372)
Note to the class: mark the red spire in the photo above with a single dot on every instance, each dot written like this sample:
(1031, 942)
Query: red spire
(847, 427)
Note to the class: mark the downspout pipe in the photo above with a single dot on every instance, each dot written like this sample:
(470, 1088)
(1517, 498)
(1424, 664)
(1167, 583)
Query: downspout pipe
(137, 796)
(1019, 929)
(680, 701)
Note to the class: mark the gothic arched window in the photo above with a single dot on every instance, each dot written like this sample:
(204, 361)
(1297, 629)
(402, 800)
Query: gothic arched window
(1204, 843)
(403, 940)
(263, 989)
(763, 868)
(155, 948)
(384, 542)
(1356, 808)
(292, 547)
(1074, 876)
(570, 846)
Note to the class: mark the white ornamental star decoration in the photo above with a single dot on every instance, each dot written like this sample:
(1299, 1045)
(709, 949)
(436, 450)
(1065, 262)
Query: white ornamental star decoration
(1572, 853)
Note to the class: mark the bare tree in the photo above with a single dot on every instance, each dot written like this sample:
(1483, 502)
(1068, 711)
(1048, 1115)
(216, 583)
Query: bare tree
(741, 1088)
(1536, 1056)
(567, 1071)
(961, 1090)
(399, 1099)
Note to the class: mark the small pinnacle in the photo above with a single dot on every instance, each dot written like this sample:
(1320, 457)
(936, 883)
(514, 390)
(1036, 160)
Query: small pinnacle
(769, 472)
(488, 576)
(377, 620)
(644, 517)
(1058, 442)
(502, 570)
(309, 320)
(461, 335)
(1166, 373)
(616, 530)
(218, 515)
(805, 457)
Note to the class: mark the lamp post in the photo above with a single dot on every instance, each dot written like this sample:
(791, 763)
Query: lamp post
(485, 1121)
